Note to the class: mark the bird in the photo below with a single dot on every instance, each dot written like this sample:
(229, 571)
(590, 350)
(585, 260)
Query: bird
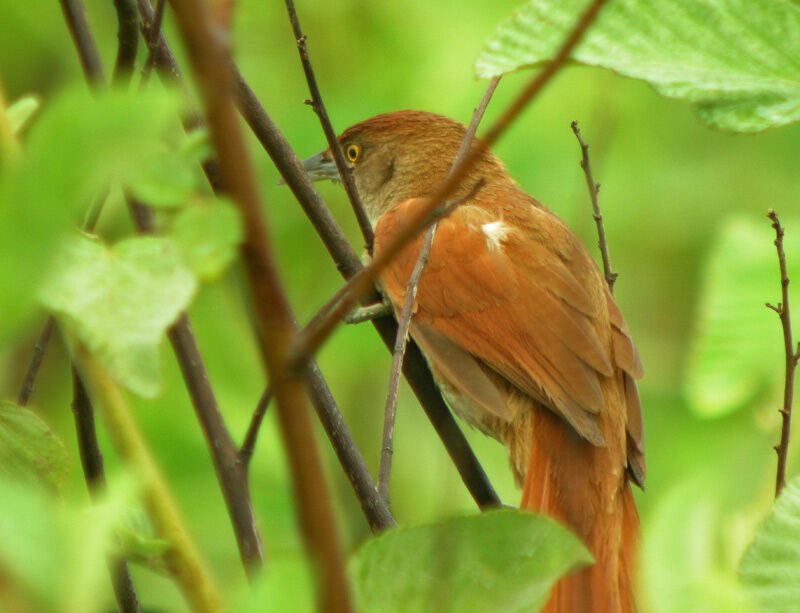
(522, 334)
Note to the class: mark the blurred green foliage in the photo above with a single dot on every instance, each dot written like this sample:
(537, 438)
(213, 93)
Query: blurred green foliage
(670, 188)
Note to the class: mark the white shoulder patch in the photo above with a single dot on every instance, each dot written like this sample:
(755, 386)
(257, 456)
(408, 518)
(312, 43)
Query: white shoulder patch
(496, 232)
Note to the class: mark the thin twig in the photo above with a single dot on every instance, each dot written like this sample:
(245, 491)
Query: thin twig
(274, 318)
(152, 37)
(345, 172)
(75, 14)
(94, 474)
(610, 276)
(222, 448)
(128, 40)
(354, 466)
(398, 355)
(792, 354)
(182, 558)
(225, 456)
(359, 284)
(368, 313)
(36, 361)
(415, 369)
(249, 443)
(404, 321)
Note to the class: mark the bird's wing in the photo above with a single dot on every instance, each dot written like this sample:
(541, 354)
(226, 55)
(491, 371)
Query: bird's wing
(523, 297)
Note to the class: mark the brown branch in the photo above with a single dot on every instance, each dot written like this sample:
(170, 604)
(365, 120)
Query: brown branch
(345, 172)
(251, 436)
(94, 474)
(593, 187)
(398, 355)
(128, 40)
(152, 36)
(361, 283)
(223, 450)
(791, 353)
(36, 361)
(274, 318)
(232, 478)
(406, 312)
(75, 14)
(415, 369)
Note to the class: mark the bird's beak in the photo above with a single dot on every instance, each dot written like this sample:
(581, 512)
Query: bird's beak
(320, 167)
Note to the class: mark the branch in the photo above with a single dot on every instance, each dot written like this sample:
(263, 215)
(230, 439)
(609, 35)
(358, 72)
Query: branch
(223, 451)
(610, 276)
(152, 34)
(232, 478)
(404, 321)
(345, 172)
(334, 310)
(92, 463)
(36, 361)
(250, 438)
(75, 14)
(792, 355)
(128, 40)
(182, 558)
(347, 262)
(271, 307)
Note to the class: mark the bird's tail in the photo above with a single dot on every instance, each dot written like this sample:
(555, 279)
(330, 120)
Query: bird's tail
(586, 489)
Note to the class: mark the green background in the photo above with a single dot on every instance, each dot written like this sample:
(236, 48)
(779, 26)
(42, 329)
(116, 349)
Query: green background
(669, 185)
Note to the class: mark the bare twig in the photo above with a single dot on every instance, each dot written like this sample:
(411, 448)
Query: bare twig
(610, 276)
(182, 558)
(347, 262)
(354, 466)
(415, 368)
(344, 169)
(792, 354)
(128, 40)
(359, 284)
(368, 313)
(404, 321)
(75, 14)
(249, 443)
(94, 474)
(152, 37)
(275, 321)
(398, 355)
(223, 451)
(231, 476)
(36, 361)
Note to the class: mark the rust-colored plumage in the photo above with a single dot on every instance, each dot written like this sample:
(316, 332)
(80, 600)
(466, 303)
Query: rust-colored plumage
(523, 337)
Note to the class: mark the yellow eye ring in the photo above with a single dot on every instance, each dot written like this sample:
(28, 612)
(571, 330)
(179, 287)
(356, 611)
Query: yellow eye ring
(352, 152)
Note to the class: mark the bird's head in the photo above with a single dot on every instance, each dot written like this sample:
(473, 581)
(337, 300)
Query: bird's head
(401, 155)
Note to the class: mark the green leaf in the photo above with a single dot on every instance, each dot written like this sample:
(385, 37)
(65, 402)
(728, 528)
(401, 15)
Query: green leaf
(21, 112)
(770, 568)
(736, 61)
(29, 449)
(737, 347)
(684, 563)
(501, 561)
(73, 150)
(54, 554)
(171, 177)
(119, 301)
(208, 234)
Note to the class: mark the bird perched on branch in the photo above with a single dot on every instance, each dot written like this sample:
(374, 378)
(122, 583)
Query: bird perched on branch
(522, 334)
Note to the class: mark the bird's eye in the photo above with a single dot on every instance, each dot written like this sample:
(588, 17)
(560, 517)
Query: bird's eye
(352, 152)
